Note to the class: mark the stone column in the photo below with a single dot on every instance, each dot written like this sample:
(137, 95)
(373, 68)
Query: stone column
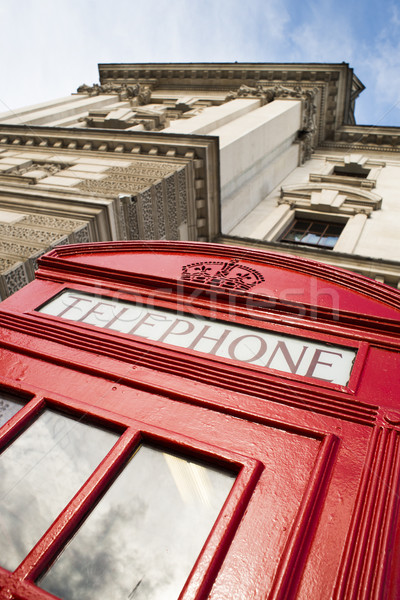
(257, 152)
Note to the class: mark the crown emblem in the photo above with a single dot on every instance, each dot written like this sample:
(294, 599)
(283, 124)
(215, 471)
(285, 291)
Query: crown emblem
(225, 274)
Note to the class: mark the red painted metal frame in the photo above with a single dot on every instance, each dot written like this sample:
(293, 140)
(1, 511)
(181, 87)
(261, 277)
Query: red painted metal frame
(133, 434)
(315, 510)
(294, 330)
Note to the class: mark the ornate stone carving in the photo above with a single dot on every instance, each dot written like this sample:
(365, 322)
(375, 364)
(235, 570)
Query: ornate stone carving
(82, 235)
(148, 216)
(172, 208)
(159, 197)
(136, 91)
(48, 167)
(53, 222)
(61, 242)
(133, 224)
(130, 180)
(6, 263)
(266, 93)
(15, 279)
(28, 234)
(182, 190)
(37, 229)
(17, 249)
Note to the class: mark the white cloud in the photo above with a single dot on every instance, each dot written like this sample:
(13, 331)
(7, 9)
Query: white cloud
(381, 63)
(52, 47)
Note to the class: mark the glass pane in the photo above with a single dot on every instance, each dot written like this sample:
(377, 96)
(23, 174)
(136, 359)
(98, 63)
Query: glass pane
(317, 227)
(293, 236)
(9, 405)
(311, 238)
(329, 241)
(335, 230)
(39, 474)
(143, 537)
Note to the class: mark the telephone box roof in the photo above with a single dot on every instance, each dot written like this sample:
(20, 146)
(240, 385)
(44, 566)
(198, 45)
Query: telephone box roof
(280, 280)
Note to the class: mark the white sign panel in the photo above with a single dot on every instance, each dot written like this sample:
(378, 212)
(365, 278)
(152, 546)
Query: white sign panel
(271, 350)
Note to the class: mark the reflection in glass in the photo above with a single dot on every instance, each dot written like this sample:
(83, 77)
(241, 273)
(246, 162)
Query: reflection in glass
(142, 539)
(9, 405)
(39, 474)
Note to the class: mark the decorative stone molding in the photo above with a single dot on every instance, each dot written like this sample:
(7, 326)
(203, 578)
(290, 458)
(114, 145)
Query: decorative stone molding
(53, 223)
(335, 108)
(14, 279)
(156, 156)
(124, 142)
(140, 94)
(362, 138)
(130, 180)
(156, 212)
(350, 167)
(266, 93)
(36, 170)
(332, 198)
(23, 242)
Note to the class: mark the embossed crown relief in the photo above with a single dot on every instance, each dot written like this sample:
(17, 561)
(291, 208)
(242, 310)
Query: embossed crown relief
(224, 274)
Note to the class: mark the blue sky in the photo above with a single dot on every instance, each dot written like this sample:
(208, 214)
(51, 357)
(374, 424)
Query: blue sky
(49, 47)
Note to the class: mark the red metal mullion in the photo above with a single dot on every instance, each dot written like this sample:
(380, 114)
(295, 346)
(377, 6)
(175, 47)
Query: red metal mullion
(21, 419)
(297, 548)
(205, 569)
(25, 590)
(21, 582)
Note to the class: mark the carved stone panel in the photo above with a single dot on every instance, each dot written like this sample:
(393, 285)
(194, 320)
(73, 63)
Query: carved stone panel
(129, 180)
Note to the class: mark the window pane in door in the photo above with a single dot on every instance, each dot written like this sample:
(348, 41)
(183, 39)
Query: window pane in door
(9, 405)
(143, 537)
(39, 474)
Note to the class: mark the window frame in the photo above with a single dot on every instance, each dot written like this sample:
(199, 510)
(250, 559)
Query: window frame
(311, 222)
(179, 305)
(21, 583)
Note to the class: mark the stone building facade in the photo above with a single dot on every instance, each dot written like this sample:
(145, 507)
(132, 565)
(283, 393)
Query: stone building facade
(262, 155)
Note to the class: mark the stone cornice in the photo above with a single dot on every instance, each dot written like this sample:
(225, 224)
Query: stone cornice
(338, 86)
(202, 152)
(223, 75)
(120, 142)
(365, 137)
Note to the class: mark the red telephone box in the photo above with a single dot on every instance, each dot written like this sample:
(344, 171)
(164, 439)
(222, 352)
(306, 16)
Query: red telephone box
(198, 421)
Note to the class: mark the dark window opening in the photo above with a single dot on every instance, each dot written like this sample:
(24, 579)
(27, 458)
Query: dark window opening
(352, 170)
(312, 233)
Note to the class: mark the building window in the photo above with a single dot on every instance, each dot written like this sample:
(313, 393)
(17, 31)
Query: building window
(351, 170)
(306, 232)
